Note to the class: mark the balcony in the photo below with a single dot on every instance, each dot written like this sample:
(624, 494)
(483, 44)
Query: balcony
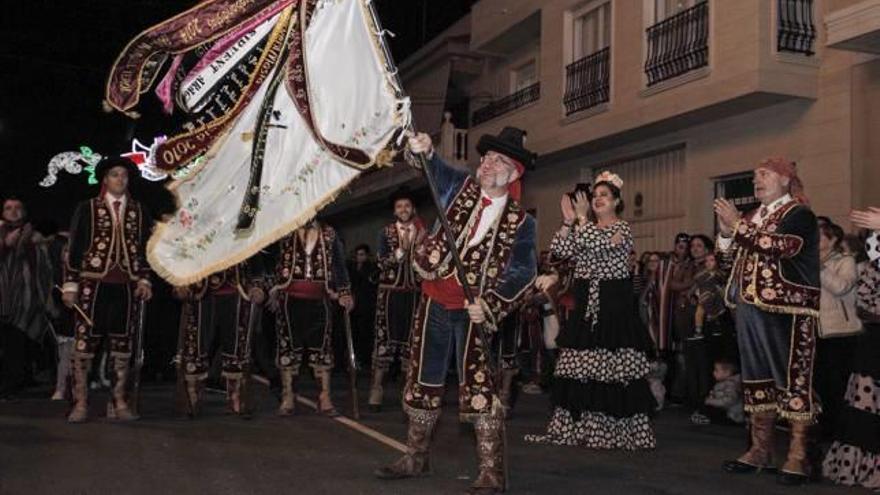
(507, 104)
(678, 45)
(587, 82)
(795, 27)
(855, 28)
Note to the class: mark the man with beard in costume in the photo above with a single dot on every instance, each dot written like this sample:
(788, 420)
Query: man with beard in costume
(398, 291)
(496, 239)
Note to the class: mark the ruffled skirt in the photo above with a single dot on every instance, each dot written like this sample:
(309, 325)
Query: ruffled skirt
(600, 394)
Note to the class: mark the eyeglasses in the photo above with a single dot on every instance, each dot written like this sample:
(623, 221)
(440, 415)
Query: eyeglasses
(497, 158)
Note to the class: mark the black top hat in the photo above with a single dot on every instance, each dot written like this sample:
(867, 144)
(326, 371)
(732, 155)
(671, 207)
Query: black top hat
(111, 162)
(158, 200)
(402, 192)
(509, 142)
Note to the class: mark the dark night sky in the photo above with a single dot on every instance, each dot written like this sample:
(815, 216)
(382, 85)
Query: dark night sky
(55, 56)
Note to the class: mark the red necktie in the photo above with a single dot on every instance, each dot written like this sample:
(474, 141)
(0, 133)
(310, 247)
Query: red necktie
(117, 205)
(484, 202)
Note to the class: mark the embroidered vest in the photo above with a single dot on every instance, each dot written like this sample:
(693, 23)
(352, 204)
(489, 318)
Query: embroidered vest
(399, 275)
(484, 263)
(296, 265)
(115, 245)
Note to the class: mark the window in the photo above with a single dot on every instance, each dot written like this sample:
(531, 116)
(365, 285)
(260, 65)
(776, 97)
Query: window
(664, 9)
(592, 30)
(739, 189)
(524, 76)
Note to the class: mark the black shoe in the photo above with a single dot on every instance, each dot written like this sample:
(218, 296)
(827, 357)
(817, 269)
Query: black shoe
(739, 467)
(375, 408)
(792, 479)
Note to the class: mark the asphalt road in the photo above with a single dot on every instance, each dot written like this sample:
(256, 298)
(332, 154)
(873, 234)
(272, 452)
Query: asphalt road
(220, 454)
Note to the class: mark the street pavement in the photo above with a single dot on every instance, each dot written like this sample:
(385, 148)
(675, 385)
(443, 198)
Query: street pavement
(220, 454)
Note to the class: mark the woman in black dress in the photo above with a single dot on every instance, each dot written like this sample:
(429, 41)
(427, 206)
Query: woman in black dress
(600, 394)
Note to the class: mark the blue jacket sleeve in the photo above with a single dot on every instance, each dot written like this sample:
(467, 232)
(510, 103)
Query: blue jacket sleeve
(447, 178)
(518, 276)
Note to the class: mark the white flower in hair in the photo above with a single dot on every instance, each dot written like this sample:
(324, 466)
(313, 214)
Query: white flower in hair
(610, 177)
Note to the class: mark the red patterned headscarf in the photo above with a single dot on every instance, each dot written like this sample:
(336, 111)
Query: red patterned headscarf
(788, 169)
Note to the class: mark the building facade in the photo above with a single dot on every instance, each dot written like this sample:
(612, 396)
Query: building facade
(679, 97)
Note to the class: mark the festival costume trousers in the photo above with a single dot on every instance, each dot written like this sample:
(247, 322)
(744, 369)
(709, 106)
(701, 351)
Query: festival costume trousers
(394, 315)
(217, 322)
(304, 329)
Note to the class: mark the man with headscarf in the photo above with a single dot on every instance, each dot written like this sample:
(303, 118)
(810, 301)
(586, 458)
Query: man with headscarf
(496, 240)
(774, 285)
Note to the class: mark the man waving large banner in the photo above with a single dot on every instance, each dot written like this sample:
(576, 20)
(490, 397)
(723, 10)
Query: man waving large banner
(286, 102)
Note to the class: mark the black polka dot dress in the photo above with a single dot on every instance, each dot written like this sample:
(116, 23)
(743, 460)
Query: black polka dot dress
(854, 457)
(600, 395)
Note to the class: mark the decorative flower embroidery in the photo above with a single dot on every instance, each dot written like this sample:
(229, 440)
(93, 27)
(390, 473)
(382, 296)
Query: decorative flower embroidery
(479, 402)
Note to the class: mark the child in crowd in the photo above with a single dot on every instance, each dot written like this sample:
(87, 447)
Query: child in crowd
(724, 403)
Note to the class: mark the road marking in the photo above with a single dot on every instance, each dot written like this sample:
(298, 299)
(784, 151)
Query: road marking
(359, 427)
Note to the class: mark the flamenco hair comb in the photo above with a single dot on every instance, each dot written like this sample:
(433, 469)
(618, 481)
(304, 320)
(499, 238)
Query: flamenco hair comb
(611, 178)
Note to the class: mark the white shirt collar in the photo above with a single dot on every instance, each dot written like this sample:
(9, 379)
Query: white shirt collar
(772, 207)
(109, 198)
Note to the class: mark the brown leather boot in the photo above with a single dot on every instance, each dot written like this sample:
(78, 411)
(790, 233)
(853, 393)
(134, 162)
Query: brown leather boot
(506, 392)
(288, 399)
(759, 457)
(416, 461)
(325, 403)
(193, 395)
(233, 395)
(796, 470)
(492, 478)
(80, 411)
(118, 407)
(377, 393)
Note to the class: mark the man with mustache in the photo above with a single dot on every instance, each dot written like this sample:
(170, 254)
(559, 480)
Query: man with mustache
(496, 240)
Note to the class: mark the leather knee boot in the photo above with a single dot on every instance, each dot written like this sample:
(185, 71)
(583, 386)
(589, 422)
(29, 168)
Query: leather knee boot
(79, 413)
(416, 461)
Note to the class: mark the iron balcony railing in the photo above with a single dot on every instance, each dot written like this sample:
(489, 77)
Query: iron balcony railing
(678, 45)
(507, 104)
(587, 81)
(795, 28)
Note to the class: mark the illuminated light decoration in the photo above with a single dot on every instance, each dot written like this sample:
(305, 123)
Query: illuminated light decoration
(75, 162)
(145, 158)
(72, 162)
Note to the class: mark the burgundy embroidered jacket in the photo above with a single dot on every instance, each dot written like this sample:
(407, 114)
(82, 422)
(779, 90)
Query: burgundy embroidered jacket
(326, 262)
(502, 267)
(776, 264)
(243, 276)
(397, 273)
(96, 246)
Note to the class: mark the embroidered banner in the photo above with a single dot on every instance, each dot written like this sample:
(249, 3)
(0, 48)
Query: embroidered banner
(132, 75)
(201, 83)
(180, 150)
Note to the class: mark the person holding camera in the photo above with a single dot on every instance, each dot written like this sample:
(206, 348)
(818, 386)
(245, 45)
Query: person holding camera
(601, 397)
